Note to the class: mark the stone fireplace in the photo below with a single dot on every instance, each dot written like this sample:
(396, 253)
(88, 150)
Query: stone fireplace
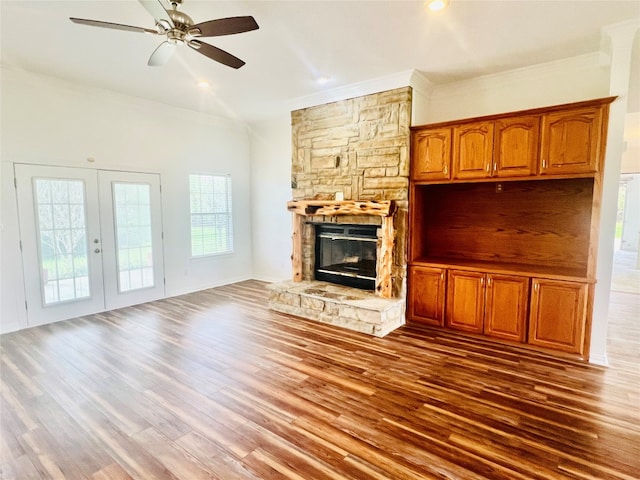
(350, 167)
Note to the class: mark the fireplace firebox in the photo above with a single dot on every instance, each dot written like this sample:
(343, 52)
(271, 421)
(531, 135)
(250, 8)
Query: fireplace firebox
(346, 254)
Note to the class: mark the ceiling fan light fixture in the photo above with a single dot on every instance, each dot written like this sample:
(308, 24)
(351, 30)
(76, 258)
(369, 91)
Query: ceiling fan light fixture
(437, 5)
(180, 30)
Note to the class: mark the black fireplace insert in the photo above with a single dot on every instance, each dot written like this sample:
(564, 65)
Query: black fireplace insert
(346, 254)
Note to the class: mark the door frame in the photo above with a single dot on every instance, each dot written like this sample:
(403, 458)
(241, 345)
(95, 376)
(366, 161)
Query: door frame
(103, 297)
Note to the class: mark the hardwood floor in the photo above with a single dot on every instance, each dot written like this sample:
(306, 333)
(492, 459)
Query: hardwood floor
(214, 385)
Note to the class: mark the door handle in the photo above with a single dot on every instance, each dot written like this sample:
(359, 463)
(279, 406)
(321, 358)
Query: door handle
(97, 250)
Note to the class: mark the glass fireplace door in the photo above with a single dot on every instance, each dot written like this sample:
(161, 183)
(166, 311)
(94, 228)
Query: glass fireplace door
(346, 254)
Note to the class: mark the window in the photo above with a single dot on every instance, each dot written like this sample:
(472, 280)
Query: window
(211, 219)
(132, 202)
(62, 226)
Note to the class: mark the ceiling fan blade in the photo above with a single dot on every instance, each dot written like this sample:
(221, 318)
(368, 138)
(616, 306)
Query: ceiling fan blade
(214, 53)
(224, 26)
(158, 10)
(115, 26)
(162, 54)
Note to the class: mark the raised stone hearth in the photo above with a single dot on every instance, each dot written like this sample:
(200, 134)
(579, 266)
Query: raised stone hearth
(351, 308)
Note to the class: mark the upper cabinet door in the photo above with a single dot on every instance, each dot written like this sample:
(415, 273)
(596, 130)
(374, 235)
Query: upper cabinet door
(431, 151)
(515, 151)
(572, 141)
(472, 150)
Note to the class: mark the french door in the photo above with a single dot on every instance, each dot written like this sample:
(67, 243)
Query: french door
(91, 240)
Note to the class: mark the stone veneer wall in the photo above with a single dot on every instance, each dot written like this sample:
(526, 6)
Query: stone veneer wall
(357, 148)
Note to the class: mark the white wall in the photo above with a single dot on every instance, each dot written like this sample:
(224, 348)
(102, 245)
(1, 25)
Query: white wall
(51, 122)
(566, 81)
(271, 189)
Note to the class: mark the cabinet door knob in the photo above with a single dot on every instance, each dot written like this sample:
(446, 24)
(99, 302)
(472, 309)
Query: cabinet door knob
(544, 163)
(445, 169)
(488, 167)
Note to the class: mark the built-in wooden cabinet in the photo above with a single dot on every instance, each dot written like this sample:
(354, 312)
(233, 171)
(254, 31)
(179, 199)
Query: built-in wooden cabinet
(465, 301)
(472, 150)
(556, 141)
(493, 304)
(513, 229)
(558, 314)
(507, 307)
(428, 295)
(431, 154)
(506, 147)
(572, 141)
(515, 152)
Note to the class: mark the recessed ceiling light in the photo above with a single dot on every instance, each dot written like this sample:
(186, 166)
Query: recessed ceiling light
(437, 5)
(323, 80)
(203, 84)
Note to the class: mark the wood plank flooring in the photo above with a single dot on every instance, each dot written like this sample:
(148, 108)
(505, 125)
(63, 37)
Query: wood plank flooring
(214, 385)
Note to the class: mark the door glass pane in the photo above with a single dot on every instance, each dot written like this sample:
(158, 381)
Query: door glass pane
(62, 234)
(132, 207)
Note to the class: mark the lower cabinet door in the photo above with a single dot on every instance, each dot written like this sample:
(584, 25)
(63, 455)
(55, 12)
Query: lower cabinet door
(465, 301)
(507, 301)
(558, 315)
(426, 295)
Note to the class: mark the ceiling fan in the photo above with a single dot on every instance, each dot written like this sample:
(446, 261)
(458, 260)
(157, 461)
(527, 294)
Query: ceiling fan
(180, 29)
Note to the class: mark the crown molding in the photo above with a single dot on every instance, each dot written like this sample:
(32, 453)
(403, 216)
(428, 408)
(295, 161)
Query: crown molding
(622, 28)
(421, 84)
(509, 77)
(39, 80)
(358, 89)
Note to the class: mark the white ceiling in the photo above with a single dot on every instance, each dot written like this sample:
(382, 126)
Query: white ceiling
(350, 41)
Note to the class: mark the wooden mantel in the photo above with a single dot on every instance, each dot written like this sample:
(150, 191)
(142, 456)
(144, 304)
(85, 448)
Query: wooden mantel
(384, 209)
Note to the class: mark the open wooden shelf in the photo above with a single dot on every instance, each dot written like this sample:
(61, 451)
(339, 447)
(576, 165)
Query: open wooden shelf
(533, 226)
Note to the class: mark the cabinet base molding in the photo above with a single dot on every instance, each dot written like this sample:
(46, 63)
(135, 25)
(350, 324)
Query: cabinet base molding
(510, 347)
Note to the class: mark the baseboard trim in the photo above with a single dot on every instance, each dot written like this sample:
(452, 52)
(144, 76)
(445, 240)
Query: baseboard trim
(599, 360)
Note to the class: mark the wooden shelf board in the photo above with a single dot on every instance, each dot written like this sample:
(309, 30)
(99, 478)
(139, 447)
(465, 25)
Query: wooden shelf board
(554, 273)
(522, 178)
